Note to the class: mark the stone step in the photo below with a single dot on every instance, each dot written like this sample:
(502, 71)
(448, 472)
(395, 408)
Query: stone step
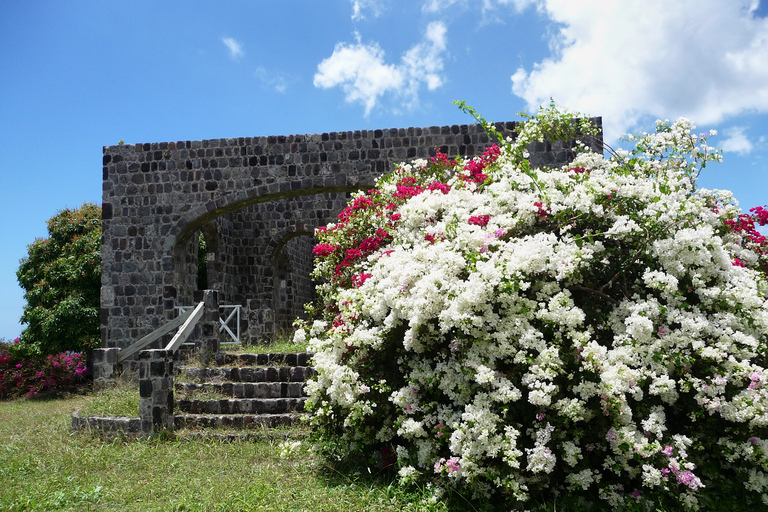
(249, 373)
(268, 433)
(245, 389)
(243, 359)
(235, 421)
(242, 406)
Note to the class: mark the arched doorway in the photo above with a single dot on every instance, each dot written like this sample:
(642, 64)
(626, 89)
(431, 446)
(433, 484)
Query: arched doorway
(257, 254)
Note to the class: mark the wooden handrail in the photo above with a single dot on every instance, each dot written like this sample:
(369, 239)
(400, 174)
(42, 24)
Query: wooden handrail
(161, 331)
(186, 329)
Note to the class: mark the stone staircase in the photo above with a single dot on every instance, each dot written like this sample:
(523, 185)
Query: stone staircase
(242, 392)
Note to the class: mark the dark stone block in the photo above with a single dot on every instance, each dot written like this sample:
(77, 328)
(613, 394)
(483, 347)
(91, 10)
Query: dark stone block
(145, 388)
(159, 415)
(157, 369)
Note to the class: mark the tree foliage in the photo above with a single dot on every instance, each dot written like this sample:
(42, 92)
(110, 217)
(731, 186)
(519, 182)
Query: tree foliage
(61, 277)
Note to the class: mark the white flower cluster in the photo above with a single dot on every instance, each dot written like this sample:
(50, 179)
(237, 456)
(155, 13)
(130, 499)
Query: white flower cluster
(585, 323)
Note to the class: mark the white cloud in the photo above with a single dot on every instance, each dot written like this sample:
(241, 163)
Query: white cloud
(235, 48)
(438, 6)
(737, 140)
(441, 6)
(358, 6)
(703, 59)
(274, 80)
(364, 76)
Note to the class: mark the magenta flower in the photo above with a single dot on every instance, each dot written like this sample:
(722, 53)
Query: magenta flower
(323, 250)
(479, 220)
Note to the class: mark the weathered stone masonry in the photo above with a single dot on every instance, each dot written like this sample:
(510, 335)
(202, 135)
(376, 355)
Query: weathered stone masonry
(256, 200)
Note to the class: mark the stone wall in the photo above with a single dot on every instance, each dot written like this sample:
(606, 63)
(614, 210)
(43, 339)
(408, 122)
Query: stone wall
(256, 200)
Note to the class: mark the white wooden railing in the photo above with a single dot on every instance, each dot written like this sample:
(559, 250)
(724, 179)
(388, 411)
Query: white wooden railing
(233, 331)
(187, 320)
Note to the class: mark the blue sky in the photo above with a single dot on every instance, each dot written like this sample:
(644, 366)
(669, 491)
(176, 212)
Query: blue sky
(75, 76)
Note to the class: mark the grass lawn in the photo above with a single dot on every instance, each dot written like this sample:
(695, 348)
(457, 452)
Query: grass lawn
(43, 466)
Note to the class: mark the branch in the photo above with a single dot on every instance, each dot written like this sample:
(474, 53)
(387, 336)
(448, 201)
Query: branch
(599, 293)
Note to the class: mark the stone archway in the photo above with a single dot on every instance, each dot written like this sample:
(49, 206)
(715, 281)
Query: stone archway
(158, 197)
(263, 254)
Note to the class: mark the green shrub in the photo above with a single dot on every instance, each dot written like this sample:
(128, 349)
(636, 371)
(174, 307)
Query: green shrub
(25, 375)
(595, 330)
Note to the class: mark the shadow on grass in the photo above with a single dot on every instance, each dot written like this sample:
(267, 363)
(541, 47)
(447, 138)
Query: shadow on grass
(355, 471)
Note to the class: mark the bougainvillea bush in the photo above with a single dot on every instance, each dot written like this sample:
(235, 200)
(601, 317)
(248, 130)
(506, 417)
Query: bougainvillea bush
(598, 329)
(31, 376)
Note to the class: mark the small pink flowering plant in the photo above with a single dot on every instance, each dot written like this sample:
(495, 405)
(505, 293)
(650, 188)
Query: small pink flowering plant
(512, 330)
(24, 375)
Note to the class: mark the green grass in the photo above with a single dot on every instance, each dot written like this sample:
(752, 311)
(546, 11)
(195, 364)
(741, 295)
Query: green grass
(281, 344)
(43, 466)
(121, 400)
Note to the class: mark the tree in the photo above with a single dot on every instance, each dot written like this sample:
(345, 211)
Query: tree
(61, 277)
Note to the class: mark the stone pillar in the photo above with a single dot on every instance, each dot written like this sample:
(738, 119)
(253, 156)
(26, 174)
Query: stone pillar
(106, 370)
(210, 337)
(156, 390)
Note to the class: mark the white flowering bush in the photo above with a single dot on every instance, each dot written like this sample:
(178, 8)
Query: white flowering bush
(595, 329)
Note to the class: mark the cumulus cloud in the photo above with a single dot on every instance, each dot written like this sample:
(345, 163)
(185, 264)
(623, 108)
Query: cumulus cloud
(703, 59)
(365, 77)
(737, 140)
(235, 48)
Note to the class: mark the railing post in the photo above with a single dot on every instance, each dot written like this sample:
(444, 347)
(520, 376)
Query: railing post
(106, 369)
(156, 390)
(210, 341)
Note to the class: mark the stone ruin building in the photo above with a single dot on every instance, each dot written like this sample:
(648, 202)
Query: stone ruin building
(256, 202)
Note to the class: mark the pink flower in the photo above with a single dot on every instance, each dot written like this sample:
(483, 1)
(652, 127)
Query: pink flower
(404, 192)
(543, 211)
(324, 250)
(361, 203)
(370, 244)
(761, 214)
(442, 187)
(479, 220)
(689, 479)
(358, 280)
